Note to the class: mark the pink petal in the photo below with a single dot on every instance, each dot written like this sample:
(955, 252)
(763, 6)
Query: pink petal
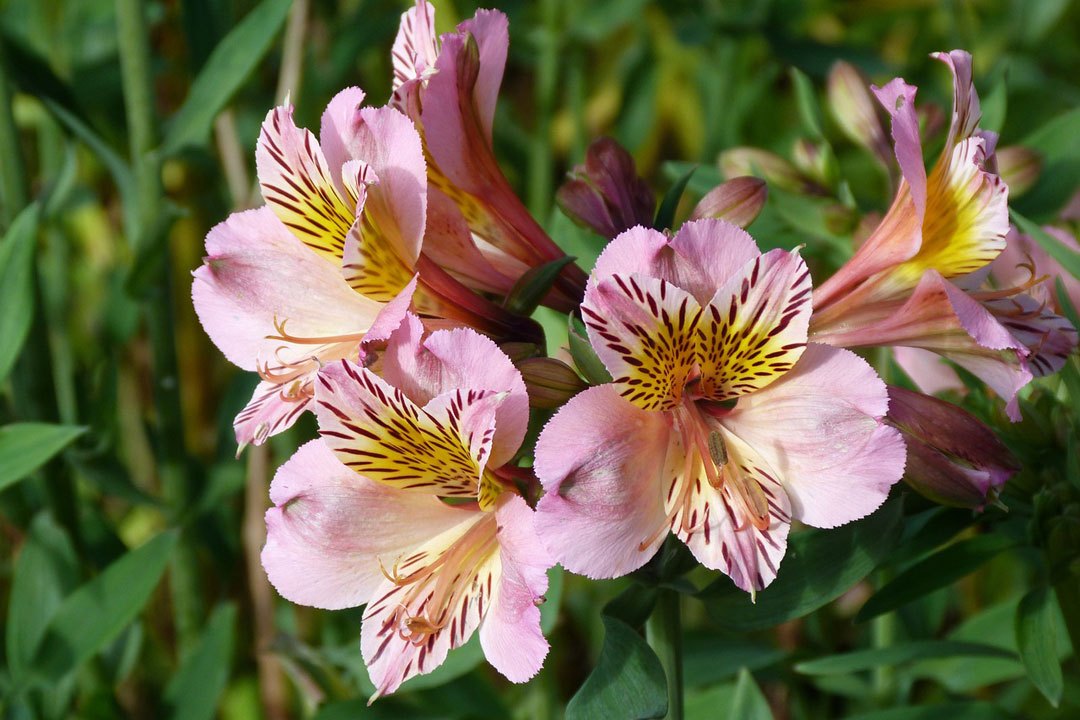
(929, 371)
(257, 272)
(492, 32)
(459, 359)
(510, 631)
(754, 329)
(965, 113)
(339, 122)
(819, 430)
(415, 47)
(330, 528)
(1049, 338)
(898, 99)
(271, 410)
(600, 460)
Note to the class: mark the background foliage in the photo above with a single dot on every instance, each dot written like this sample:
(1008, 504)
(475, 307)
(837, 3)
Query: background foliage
(129, 575)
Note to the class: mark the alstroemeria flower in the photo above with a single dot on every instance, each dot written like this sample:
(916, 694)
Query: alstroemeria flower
(721, 425)
(911, 283)
(482, 234)
(302, 281)
(361, 516)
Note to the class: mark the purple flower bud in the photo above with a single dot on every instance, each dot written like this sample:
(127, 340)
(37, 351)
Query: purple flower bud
(856, 111)
(605, 194)
(770, 166)
(952, 457)
(738, 201)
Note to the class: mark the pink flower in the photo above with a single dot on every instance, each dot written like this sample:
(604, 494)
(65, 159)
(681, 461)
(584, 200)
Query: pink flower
(330, 261)
(359, 515)
(913, 283)
(485, 237)
(722, 424)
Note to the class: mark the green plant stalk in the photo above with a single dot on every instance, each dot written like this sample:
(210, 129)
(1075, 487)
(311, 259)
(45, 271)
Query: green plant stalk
(538, 187)
(152, 228)
(663, 631)
(13, 197)
(882, 635)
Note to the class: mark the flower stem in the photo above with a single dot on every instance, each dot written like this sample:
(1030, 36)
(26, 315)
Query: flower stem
(663, 630)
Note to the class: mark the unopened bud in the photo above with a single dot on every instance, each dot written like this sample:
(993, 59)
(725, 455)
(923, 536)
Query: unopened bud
(952, 457)
(738, 201)
(839, 219)
(1019, 167)
(518, 351)
(770, 166)
(550, 382)
(856, 111)
(815, 160)
(605, 194)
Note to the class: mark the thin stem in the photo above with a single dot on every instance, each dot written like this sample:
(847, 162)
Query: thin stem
(13, 197)
(538, 188)
(883, 634)
(663, 630)
(151, 232)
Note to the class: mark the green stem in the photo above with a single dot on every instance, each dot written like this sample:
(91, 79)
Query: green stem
(663, 630)
(883, 630)
(151, 231)
(13, 197)
(538, 188)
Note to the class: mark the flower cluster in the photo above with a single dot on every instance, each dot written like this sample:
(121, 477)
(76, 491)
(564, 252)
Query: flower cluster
(367, 291)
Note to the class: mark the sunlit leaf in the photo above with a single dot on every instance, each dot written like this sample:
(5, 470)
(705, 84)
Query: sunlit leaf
(17, 287)
(24, 447)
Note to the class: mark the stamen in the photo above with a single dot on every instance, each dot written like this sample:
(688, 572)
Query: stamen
(327, 340)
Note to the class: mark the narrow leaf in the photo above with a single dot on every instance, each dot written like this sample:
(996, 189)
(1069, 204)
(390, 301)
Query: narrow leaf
(820, 566)
(1066, 257)
(749, 702)
(24, 447)
(17, 287)
(896, 654)
(192, 693)
(96, 612)
(941, 569)
(1035, 638)
(665, 216)
(627, 682)
(938, 711)
(806, 99)
(585, 358)
(530, 289)
(224, 73)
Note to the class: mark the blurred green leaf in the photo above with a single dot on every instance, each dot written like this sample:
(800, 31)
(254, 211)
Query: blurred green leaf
(98, 610)
(24, 447)
(46, 569)
(549, 611)
(193, 692)
(820, 566)
(748, 703)
(225, 72)
(807, 102)
(1068, 258)
(17, 287)
(940, 711)
(1058, 142)
(709, 657)
(634, 604)
(1035, 638)
(525, 296)
(896, 654)
(934, 572)
(627, 682)
(665, 216)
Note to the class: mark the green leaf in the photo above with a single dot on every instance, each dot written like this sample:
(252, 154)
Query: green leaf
(934, 572)
(549, 610)
(17, 287)
(806, 99)
(585, 358)
(709, 656)
(896, 654)
(192, 693)
(24, 447)
(1035, 634)
(941, 711)
(627, 682)
(820, 566)
(634, 604)
(1058, 142)
(749, 703)
(93, 615)
(45, 571)
(1066, 257)
(525, 296)
(225, 72)
(665, 216)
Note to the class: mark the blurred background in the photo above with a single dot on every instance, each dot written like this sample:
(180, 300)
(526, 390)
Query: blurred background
(130, 584)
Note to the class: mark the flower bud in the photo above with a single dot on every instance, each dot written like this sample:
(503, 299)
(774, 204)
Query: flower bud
(1019, 167)
(952, 457)
(815, 160)
(856, 111)
(605, 194)
(518, 351)
(770, 166)
(738, 201)
(550, 382)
